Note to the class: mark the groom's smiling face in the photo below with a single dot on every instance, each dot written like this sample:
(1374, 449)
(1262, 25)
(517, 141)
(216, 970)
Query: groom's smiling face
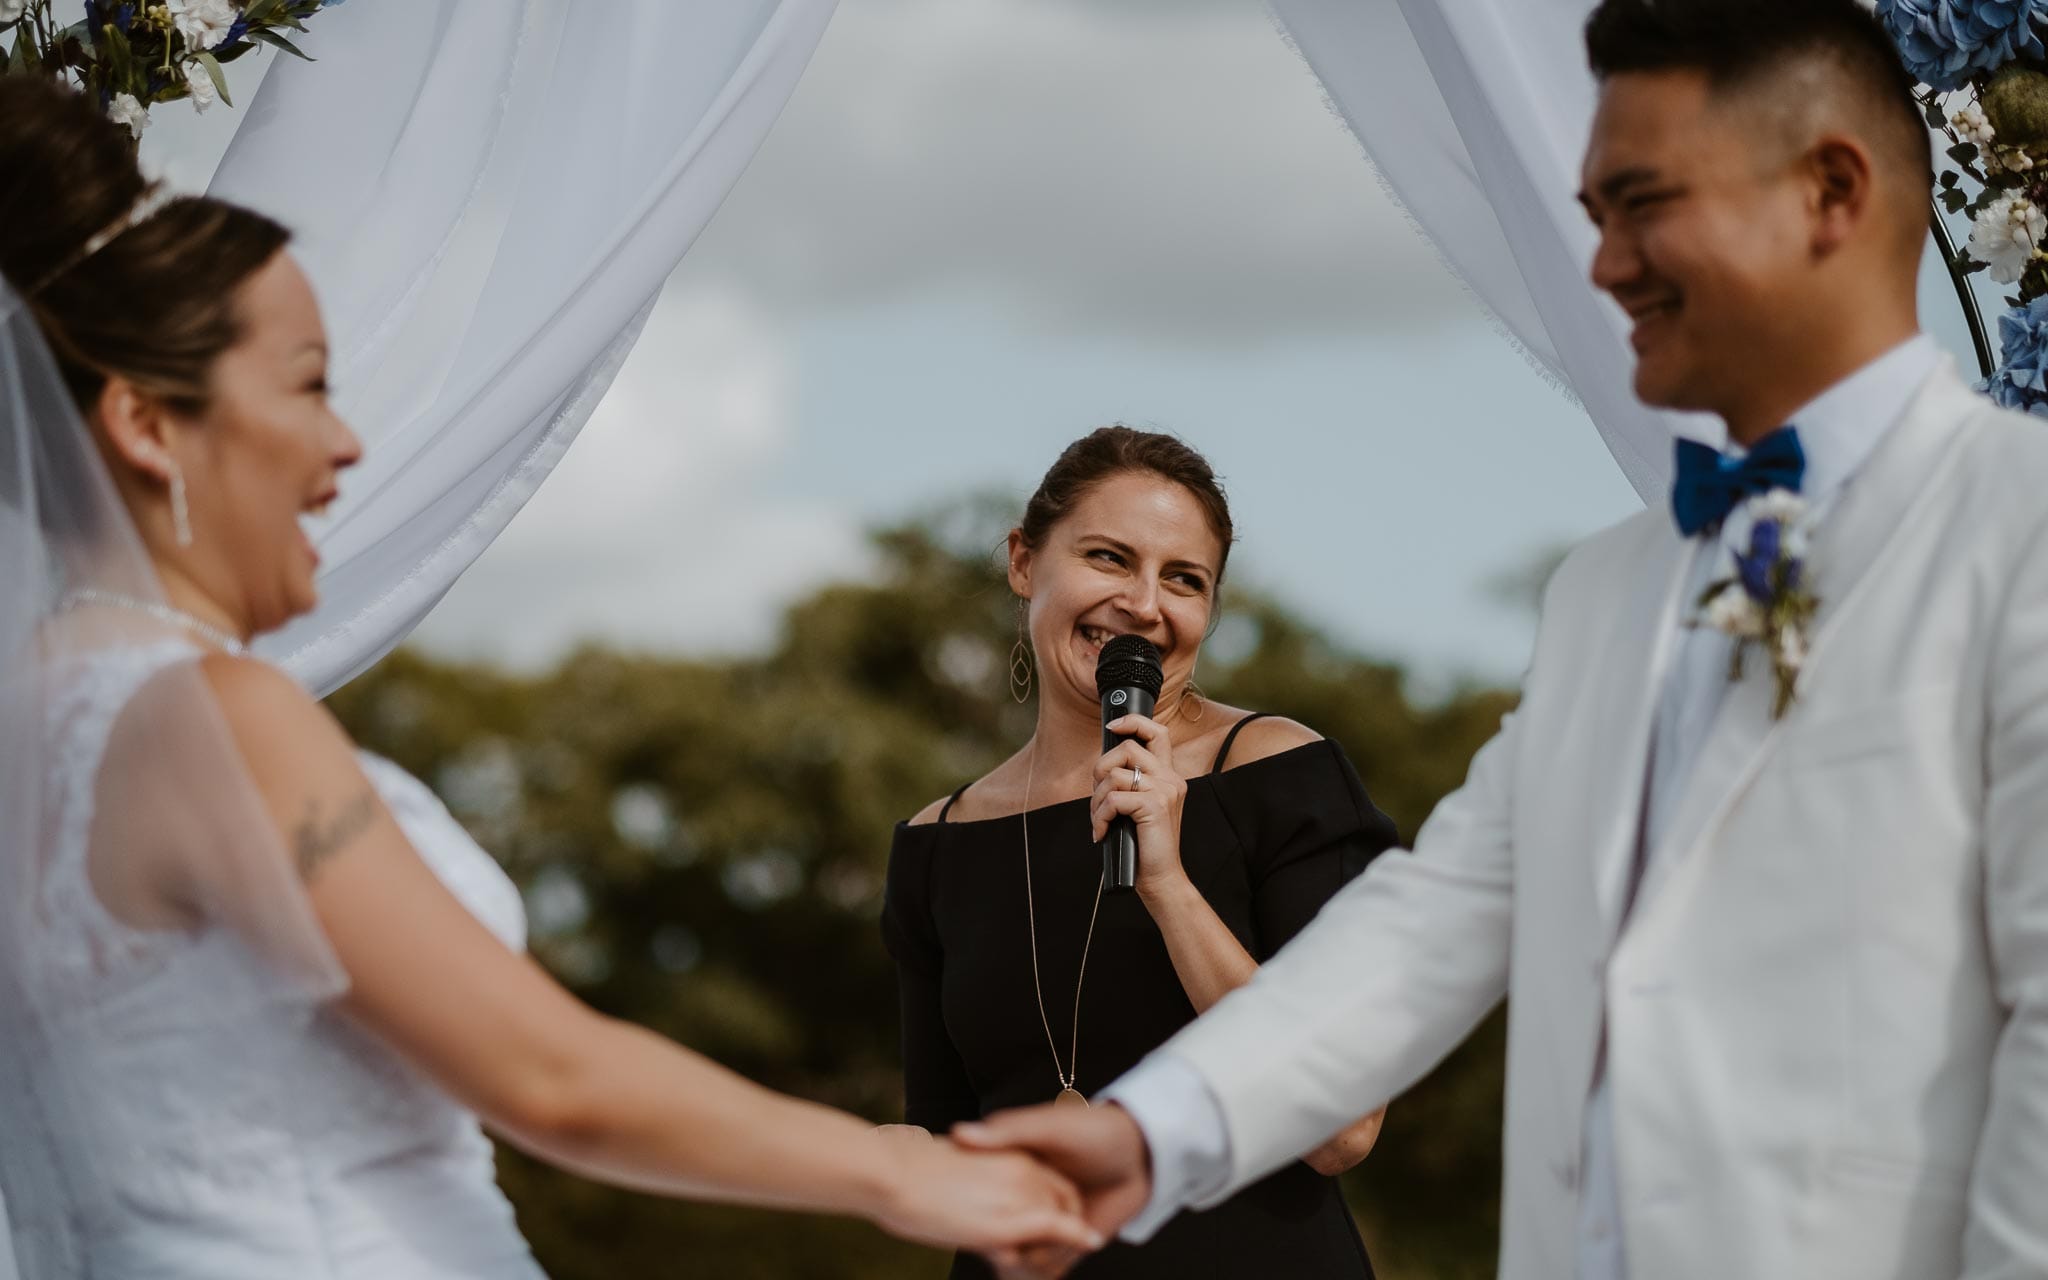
(1704, 237)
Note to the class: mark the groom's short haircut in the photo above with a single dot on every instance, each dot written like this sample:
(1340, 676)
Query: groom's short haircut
(1780, 52)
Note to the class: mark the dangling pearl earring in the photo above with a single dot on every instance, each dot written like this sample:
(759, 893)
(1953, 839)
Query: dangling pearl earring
(1021, 667)
(181, 514)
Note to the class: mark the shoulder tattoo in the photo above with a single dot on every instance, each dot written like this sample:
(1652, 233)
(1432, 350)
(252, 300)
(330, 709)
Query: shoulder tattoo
(317, 839)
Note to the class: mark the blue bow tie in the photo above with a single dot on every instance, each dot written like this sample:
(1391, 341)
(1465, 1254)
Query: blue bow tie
(1710, 484)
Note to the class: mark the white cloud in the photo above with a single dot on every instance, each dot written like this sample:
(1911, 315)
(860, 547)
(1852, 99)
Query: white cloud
(655, 532)
(1168, 171)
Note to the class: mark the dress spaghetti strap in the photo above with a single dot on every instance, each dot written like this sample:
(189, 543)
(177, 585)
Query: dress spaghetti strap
(953, 800)
(1229, 740)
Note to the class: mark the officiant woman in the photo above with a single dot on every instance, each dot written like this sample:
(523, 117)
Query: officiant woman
(1021, 978)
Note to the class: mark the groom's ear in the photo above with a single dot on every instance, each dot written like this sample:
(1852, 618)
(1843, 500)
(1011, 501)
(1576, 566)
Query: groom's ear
(1842, 177)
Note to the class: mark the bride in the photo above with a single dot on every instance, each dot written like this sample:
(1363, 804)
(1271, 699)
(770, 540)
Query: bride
(257, 990)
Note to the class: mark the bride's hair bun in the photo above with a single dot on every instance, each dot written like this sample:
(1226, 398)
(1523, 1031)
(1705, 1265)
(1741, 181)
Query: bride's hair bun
(155, 303)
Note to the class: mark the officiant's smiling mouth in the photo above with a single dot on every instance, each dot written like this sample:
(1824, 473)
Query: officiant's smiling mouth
(1093, 638)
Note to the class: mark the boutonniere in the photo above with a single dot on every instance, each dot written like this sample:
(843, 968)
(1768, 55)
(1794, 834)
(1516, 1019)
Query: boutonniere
(1764, 600)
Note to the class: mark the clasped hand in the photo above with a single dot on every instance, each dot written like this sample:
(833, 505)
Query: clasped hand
(1100, 1151)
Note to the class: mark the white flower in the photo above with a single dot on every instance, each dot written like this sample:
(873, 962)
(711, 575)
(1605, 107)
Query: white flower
(201, 85)
(2006, 236)
(126, 110)
(1972, 125)
(1732, 612)
(203, 23)
(11, 11)
(1791, 647)
(1781, 505)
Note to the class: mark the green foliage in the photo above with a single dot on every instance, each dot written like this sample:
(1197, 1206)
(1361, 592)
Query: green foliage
(702, 845)
(137, 50)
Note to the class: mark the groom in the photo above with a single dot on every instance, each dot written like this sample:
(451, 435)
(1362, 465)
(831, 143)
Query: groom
(1779, 982)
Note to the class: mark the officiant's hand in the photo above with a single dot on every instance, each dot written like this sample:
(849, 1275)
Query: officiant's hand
(1100, 1150)
(1135, 779)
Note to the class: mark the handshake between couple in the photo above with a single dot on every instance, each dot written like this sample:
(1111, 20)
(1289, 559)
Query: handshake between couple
(1085, 1172)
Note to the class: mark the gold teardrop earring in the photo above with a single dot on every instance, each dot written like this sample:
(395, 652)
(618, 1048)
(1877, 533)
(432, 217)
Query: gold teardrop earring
(1180, 707)
(1022, 669)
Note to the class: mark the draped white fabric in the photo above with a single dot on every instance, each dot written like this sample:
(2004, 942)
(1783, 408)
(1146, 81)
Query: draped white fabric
(1476, 113)
(488, 195)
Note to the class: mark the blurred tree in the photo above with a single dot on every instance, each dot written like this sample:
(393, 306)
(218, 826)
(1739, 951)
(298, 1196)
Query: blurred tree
(701, 845)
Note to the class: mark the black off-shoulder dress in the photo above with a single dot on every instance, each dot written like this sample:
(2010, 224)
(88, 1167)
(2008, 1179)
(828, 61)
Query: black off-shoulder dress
(1267, 844)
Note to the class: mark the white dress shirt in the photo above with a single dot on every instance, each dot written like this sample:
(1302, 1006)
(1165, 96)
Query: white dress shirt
(1174, 1107)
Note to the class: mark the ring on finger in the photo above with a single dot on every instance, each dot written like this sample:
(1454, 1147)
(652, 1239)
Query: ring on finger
(1137, 779)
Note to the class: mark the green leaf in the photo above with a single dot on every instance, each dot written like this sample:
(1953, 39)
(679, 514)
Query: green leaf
(1963, 153)
(1954, 201)
(1949, 179)
(260, 11)
(1935, 118)
(219, 77)
(272, 38)
(119, 59)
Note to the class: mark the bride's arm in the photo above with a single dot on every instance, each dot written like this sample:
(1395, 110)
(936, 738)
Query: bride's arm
(596, 1095)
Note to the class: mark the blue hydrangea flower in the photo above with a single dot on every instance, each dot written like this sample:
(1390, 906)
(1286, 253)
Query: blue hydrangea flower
(1756, 566)
(2021, 381)
(1945, 42)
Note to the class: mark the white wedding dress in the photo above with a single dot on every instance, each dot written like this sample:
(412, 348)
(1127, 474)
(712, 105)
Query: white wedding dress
(168, 1112)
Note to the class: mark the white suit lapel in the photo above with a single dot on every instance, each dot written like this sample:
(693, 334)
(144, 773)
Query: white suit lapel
(1875, 508)
(1645, 641)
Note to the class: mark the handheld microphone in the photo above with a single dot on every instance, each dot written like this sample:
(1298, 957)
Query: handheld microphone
(1127, 679)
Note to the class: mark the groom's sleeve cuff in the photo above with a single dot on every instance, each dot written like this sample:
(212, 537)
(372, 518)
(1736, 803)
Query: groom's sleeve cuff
(1184, 1129)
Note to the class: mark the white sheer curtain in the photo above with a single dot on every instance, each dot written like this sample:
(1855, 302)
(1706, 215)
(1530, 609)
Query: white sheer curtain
(1476, 112)
(488, 194)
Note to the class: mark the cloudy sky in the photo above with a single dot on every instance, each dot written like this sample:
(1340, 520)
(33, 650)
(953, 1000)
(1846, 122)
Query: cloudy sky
(983, 227)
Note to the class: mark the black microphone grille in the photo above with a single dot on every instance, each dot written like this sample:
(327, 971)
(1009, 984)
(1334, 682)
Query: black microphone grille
(1129, 662)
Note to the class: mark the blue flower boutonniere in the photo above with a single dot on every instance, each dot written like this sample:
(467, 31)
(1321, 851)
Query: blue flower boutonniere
(1765, 599)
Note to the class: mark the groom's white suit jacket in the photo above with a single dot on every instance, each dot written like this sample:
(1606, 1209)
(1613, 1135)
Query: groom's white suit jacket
(1826, 1020)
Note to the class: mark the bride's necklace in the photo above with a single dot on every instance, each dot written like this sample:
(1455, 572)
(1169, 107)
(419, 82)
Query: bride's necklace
(1069, 1096)
(155, 609)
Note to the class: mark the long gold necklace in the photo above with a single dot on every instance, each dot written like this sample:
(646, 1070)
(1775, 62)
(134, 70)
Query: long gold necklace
(1069, 1096)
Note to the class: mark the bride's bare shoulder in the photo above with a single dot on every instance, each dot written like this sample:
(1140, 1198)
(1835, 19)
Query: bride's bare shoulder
(278, 725)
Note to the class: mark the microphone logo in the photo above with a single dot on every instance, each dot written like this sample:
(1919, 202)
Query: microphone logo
(1118, 697)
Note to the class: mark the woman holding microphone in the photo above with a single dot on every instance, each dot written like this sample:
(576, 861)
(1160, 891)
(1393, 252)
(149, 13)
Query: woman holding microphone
(1024, 976)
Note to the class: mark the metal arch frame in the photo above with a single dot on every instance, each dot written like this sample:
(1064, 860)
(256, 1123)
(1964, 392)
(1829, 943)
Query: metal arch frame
(1952, 258)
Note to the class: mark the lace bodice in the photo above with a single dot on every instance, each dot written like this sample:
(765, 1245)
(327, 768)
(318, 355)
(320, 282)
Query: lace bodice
(167, 1111)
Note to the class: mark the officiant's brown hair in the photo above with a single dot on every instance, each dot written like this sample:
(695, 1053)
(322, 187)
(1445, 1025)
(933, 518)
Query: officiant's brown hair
(155, 303)
(1743, 45)
(1119, 450)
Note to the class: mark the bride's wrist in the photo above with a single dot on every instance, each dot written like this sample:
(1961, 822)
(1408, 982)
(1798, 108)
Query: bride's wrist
(883, 1178)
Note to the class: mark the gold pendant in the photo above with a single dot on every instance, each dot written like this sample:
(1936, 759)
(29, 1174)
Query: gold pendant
(1070, 1098)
